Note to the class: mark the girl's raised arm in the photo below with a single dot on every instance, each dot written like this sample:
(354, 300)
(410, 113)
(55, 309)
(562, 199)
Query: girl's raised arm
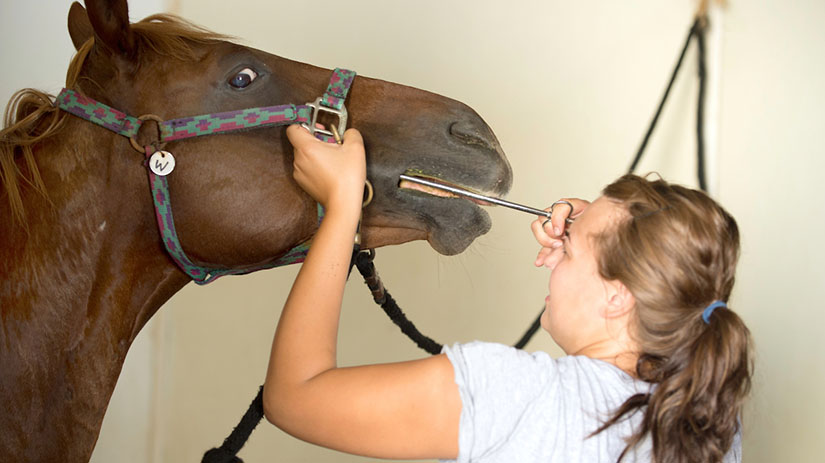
(401, 410)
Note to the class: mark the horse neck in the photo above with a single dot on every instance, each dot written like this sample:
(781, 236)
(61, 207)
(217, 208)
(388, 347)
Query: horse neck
(81, 283)
(97, 244)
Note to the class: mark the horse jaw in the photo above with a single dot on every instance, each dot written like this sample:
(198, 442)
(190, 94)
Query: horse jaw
(376, 236)
(449, 224)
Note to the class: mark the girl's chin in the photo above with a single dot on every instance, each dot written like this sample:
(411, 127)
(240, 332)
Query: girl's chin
(545, 318)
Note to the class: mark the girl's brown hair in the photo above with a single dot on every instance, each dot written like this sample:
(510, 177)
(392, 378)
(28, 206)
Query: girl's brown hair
(676, 251)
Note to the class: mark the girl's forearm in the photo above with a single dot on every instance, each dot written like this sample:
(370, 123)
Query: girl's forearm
(306, 337)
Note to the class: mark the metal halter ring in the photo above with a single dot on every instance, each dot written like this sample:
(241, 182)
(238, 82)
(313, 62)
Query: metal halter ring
(150, 117)
(368, 193)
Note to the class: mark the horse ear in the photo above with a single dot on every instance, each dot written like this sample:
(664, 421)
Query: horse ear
(110, 21)
(80, 29)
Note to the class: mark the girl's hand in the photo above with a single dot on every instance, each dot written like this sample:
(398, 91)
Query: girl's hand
(549, 234)
(332, 174)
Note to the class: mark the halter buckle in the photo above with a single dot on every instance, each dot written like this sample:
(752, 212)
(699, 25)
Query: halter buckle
(317, 107)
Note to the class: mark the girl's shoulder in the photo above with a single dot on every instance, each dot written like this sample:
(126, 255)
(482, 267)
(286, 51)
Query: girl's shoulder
(505, 363)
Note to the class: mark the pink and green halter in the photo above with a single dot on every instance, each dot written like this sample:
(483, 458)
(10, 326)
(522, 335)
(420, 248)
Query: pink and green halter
(158, 165)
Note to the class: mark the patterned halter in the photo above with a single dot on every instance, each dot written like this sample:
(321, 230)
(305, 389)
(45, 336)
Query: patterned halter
(161, 163)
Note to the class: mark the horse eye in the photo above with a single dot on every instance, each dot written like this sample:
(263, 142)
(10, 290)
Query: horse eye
(243, 78)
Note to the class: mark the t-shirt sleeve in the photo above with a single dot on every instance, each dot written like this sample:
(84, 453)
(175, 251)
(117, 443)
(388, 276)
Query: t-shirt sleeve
(496, 383)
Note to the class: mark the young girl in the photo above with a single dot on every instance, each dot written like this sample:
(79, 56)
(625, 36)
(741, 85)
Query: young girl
(657, 367)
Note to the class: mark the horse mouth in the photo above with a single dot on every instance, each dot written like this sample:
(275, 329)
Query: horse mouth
(450, 221)
(441, 193)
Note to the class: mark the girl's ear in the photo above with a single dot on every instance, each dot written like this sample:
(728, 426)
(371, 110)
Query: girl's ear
(620, 301)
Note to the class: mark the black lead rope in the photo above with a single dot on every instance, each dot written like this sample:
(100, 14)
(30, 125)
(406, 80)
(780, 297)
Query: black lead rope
(382, 297)
(364, 262)
(227, 452)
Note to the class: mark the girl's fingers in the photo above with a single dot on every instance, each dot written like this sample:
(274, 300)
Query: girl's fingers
(563, 211)
(353, 136)
(540, 232)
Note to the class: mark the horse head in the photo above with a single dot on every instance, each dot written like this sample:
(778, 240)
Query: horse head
(235, 201)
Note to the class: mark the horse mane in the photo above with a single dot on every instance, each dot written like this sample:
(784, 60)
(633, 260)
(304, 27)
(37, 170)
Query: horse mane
(32, 117)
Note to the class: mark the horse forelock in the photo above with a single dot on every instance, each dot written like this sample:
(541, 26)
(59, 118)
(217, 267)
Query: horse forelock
(172, 36)
(32, 117)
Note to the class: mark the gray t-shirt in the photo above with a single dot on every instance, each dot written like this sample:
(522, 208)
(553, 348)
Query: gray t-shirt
(519, 407)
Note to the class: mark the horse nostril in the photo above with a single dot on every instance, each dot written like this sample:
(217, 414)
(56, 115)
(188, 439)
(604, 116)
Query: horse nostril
(473, 134)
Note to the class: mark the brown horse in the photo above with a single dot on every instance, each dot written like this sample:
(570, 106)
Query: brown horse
(82, 267)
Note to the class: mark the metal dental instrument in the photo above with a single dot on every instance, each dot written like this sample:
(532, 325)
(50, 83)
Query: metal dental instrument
(480, 197)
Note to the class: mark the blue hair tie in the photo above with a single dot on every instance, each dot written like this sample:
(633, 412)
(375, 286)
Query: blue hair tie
(709, 310)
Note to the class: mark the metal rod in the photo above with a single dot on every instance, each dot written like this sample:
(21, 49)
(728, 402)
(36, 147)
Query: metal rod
(480, 197)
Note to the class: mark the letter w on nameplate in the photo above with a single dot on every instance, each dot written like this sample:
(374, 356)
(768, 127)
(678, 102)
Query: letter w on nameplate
(162, 163)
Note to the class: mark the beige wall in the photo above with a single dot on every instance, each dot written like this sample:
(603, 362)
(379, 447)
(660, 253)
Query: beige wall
(569, 88)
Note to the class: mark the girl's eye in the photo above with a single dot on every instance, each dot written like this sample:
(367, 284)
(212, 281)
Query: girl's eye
(243, 78)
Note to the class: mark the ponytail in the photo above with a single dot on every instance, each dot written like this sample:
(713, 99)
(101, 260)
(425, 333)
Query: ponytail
(676, 252)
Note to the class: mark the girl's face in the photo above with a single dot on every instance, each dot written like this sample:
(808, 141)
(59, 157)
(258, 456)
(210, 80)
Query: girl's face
(578, 294)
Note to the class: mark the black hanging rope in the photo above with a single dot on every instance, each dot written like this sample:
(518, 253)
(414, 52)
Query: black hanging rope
(661, 103)
(232, 444)
(227, 452)
(525, 338)
(697, 30)
(381, 297)
(700, 27)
